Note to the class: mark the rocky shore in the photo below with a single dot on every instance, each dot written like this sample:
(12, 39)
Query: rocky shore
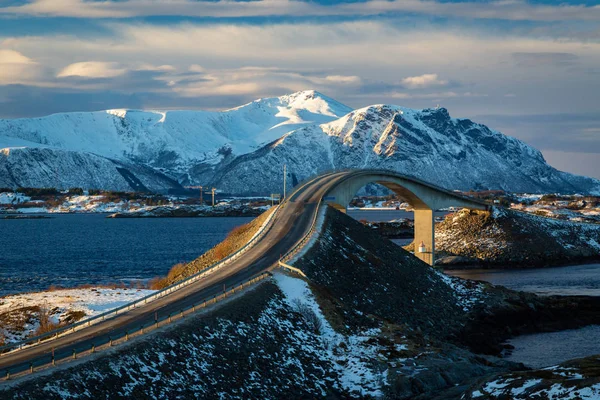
(575, 379)
(185, 211)
(397, 229)
(369, 321)
(507, 238)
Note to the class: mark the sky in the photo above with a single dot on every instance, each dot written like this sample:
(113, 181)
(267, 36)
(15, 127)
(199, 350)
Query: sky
(530, 69)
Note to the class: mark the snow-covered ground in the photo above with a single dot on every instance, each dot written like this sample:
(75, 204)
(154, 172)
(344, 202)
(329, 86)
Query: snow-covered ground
(59, 303)
(567, 385)
(349, 354)
(94, 204)
(14, 203)
(13, 198)
(577, 208)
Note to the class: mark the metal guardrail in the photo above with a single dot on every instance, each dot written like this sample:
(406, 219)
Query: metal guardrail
(144, 300)
(55, 356)
(199, 275)
(56, 333)
(48, 360)
(302, 242)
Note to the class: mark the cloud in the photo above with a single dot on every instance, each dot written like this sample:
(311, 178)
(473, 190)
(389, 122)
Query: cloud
(353, 79)
(92, 69)
(358, 62)
(423, 81)
(587, 164)
(569, 132)
(8, 56)
(536, 59)
(17, 68)
(502, 9)
(434, 95)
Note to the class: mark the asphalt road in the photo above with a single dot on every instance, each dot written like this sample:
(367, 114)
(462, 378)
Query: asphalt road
(290, 225)
(292, 222)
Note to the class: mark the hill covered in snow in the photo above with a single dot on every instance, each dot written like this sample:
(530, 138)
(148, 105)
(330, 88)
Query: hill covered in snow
(242, 150)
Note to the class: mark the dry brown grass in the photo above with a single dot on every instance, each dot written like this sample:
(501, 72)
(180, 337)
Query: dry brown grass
(161, 282)
(235, 240)
(15, 320)
(45, 321)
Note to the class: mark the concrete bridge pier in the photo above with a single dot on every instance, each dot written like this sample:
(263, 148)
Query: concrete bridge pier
(424, 233)
(423, 197)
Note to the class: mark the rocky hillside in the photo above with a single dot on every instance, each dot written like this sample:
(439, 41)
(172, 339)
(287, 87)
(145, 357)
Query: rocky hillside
(242, 150)
(371, 321)
(452, 153)
(511, 238)
(576, 379)
(63, 169)
(78, 149)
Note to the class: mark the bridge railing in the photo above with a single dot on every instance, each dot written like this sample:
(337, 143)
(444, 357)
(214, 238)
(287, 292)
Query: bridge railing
(304, 240)
(54, 334)
(59, 355)
(263, 230)
(401, 175)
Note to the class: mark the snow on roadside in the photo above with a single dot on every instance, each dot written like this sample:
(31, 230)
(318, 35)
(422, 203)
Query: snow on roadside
(349, 354)
(467, 293)
(91, 301)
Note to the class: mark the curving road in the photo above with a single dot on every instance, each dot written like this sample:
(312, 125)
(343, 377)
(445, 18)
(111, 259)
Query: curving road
(292, 222)
(290, 225)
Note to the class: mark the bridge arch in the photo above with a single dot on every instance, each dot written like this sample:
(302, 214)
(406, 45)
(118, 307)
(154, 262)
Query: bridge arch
(424, 197)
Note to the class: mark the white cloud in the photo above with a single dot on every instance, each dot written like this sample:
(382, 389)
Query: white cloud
(423, 81)
(150, 67)
(16, 68)
(196, 68)
(8, 56)
(575, 162)
(510, 10)
(211, 59)
(343, 79)
(434, 95)
(92, 69)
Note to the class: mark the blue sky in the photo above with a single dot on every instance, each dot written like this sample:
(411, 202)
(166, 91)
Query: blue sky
(530, 69)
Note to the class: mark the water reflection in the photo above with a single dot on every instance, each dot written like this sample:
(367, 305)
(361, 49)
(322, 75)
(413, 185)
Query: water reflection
(566, 281)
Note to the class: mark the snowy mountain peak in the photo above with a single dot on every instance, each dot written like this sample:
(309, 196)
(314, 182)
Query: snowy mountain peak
(242, 150)
(305, 102)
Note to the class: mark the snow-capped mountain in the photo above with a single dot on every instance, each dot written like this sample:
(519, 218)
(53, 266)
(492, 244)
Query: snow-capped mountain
(243, 149)
(428, 144)
(90, 149)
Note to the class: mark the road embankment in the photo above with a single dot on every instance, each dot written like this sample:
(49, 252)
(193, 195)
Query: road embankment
(369, 320)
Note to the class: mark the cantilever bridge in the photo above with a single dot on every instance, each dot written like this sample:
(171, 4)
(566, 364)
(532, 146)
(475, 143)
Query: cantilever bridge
(284, 233)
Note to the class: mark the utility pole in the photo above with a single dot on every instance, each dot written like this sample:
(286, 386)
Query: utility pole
(213, 196)
(284, 178)
(201, 202)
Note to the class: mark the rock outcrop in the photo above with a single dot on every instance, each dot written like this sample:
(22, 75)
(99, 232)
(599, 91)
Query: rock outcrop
(509, 238)
(370, 321)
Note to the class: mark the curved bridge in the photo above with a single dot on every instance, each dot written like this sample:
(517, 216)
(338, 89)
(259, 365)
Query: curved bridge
(292, 223)
(424, 197)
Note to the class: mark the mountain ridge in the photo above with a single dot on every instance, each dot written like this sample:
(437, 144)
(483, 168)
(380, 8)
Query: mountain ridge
(242, 150)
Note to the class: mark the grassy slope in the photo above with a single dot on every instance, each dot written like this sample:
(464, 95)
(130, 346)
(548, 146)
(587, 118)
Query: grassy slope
(234, 241)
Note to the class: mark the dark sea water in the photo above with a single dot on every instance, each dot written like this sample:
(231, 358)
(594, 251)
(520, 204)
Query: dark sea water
(73, 249)
(546, 349)
(385, 215)
(566, 281)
